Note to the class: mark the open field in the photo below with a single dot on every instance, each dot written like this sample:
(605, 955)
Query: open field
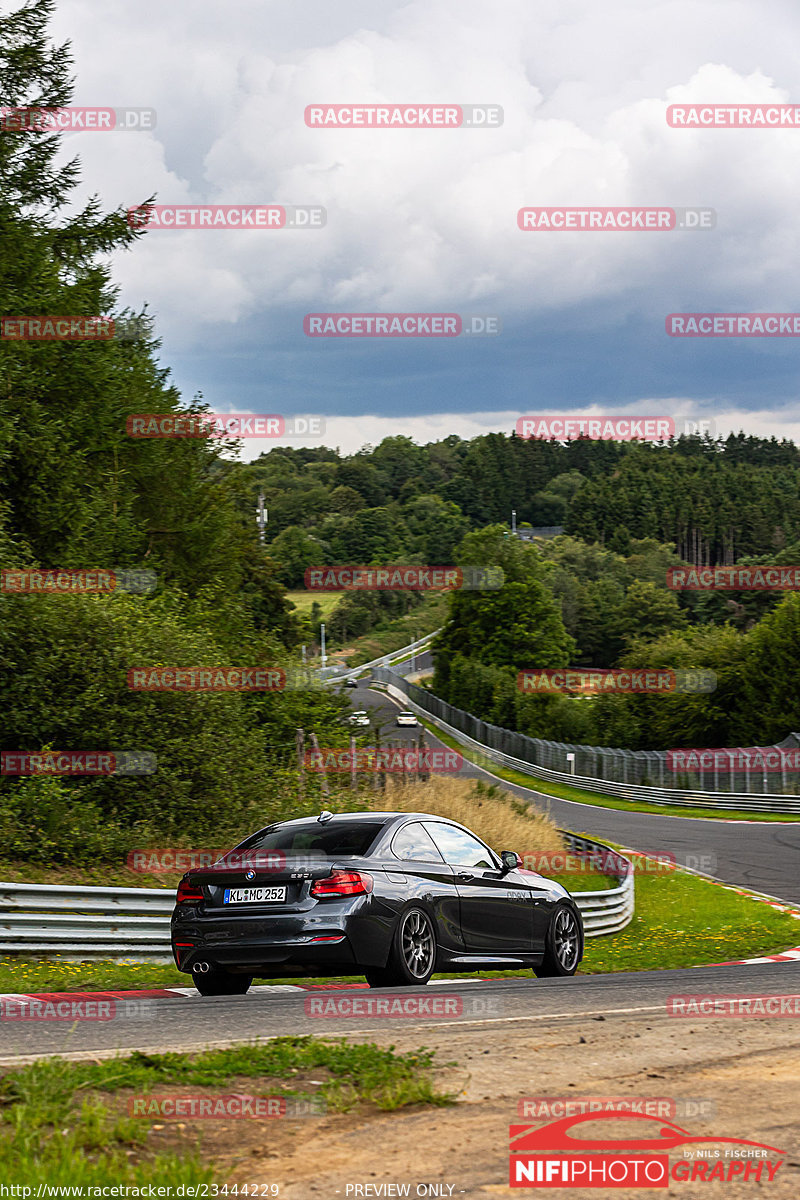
(303, 600)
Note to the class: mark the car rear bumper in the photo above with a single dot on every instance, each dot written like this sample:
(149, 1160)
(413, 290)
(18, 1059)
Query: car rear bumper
(336, 938)
(300, 957)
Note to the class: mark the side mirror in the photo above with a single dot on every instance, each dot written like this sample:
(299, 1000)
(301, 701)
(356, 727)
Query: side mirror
(510, 860)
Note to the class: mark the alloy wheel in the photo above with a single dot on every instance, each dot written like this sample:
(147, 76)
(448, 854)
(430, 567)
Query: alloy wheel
(417, 944)
(565, 939)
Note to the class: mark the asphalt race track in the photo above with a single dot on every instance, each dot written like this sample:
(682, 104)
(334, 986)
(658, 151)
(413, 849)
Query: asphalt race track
(763, 856)
(194, 1022)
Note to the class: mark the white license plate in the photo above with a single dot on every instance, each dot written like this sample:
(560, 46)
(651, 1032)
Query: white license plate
(254, 895)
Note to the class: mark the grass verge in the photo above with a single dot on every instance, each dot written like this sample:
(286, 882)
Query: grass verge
(682, 920)
(102, 875)
(71, 1122)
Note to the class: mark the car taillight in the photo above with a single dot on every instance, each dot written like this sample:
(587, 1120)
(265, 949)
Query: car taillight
(188, 893)
(343, 883)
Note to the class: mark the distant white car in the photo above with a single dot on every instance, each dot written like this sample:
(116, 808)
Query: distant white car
(407, 718)
(359, 718)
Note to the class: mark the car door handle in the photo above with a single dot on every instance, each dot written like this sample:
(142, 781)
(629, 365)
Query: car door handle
(464, 876)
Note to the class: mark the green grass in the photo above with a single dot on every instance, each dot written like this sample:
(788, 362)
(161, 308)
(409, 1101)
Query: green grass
(303, 601)
(565, 792)
(102, 875)
(589, 881)
(684, 921)
(52, 975)
(66, 1122)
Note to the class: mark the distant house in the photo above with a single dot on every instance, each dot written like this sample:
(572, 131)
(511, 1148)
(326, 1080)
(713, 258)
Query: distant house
(529, 532)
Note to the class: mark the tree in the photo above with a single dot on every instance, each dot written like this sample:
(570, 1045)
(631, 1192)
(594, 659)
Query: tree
(294, 551)
(76, 488)
(648, 612)
(518, 625)
(770, 703)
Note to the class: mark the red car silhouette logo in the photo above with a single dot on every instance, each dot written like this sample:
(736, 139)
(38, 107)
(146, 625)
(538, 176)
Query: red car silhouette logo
(528, 1139)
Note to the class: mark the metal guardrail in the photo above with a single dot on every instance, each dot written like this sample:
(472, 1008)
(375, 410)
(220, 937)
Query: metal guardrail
(101, 923)
(422, 702)
(610, 910)
(385, 660)
(85, 922)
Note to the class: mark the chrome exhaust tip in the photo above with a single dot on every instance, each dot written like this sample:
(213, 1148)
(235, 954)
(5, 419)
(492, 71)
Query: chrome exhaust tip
(202, 968)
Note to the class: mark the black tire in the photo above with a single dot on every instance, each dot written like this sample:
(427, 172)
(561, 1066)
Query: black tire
(563, 945)
(377, 977)
(412, 958)
(221, 983)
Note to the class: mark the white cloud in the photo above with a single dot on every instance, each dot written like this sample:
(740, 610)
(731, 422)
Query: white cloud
(350, 434)
(426, 219)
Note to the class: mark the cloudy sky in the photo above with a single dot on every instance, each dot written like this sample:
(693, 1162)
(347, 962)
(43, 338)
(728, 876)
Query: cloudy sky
(426, 220)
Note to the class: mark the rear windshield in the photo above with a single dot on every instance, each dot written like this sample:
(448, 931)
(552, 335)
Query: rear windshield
(333, 838)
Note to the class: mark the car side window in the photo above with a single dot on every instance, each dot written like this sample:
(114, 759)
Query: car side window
(412, 843)
(458, 847)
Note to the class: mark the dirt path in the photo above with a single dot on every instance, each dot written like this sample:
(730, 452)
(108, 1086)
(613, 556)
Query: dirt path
(745, 1071)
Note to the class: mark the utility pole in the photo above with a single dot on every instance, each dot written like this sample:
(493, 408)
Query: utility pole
(513, 520)
(423, 773)
(322, 635)
(262, 516)
(301, 765)
(323, 780)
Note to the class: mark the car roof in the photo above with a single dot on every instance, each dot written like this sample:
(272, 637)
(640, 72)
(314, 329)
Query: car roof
(374, 817)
